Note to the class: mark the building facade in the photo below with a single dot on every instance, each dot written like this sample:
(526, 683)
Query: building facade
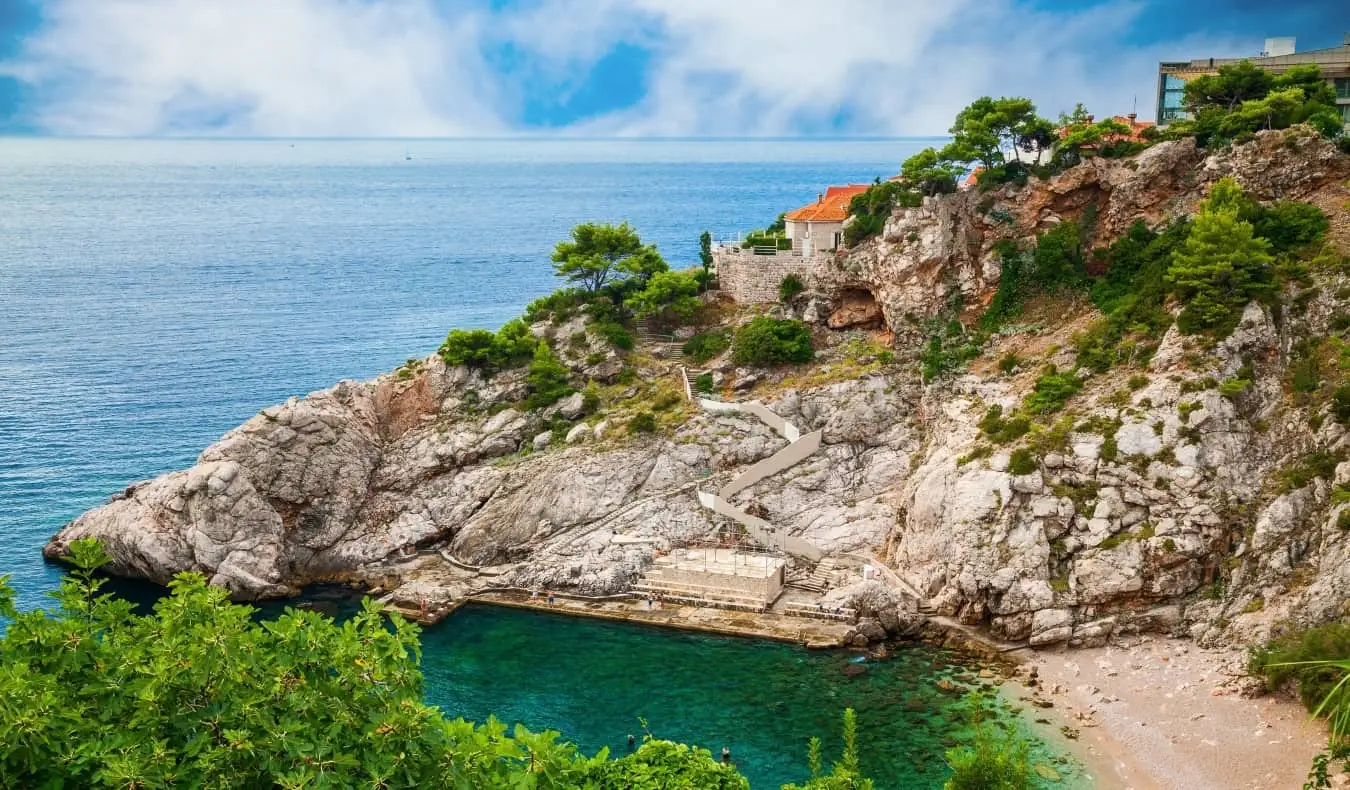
(1279, 56)
(819, 227)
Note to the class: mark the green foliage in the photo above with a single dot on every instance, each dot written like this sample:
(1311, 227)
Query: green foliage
(488, 352)
(993, 761)
(1221, 266)
(844, 774)
(547, 379)
(868, 211)
(202, 694)
(558, 306)
(642, 422)
(1137, 382)
(1022, 462)
(1234, 386)
(703, 382)
(987, 127)
(1008, 363)
(1003, 430)
(789, 287)
(598, 253)
(705, 256)
(614, 333)
(765, 342)
(667, 295)
(1081, 139)
(1051, 391)
(948, 351)
(590, 398)
(1056, 264)
(1316, 661)
(1309, 468)
(1288, 225)
(1340, 404)
(931, 174)
(706, 345)
(663, 765)
(1243, 99)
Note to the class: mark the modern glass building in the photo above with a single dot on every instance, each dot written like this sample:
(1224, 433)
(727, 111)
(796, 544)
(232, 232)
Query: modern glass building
(1278, 56)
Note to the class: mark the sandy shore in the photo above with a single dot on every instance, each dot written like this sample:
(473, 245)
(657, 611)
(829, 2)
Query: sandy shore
(1163, 714)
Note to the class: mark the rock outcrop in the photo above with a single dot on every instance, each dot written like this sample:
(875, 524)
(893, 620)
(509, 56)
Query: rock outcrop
(1158, 504)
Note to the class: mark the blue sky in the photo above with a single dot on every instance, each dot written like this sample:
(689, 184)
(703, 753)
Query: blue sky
(598, 67)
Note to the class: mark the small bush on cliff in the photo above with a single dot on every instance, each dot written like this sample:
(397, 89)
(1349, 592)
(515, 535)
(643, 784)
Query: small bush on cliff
(789, 287)
(509, 347)
(1051, 391)
(868, 211)
(843, 775)
(765, 342)
(1021, 462)
(642, 422)
(547, 379)
(706, 345)
(1316, 662)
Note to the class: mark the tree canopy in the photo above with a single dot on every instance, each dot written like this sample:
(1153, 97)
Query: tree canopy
(598, 253)
(987, 127)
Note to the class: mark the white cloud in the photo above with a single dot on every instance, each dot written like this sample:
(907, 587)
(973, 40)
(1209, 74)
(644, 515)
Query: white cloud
(720, 67)
(271, 67)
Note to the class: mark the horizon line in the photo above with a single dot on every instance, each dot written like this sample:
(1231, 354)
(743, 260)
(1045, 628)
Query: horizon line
(522, 137)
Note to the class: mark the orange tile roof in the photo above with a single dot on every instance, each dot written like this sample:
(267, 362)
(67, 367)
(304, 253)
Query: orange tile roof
(830, 207)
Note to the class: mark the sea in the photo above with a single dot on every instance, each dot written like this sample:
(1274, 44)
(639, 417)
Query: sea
(155, 293)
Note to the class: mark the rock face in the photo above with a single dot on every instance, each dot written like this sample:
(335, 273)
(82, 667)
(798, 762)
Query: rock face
(1161, 505)
(947, 244)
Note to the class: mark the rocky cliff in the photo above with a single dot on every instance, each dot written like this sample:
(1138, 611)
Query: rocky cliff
(1156, 502)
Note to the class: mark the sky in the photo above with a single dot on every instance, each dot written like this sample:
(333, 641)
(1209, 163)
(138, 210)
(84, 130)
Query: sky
(658, 68)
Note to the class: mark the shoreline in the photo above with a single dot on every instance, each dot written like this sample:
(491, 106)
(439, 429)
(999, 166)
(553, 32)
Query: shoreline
(1160, 713)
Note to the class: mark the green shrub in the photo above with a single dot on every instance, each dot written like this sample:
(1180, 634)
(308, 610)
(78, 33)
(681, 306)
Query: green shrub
(547, 379)
(1137, 382)
(1021, 462)
(614, 334)
(992, 761)
(868, 211)
(1008, 363)
(1234, 386)
(512, 345)
(1309, 468)
(1273, 661)
(703, 382)
(1340, 404)
(557, 306)
(642, 422)
(666, 401)
(1001, 430)
(765, 342)
(590, 398)
(789, 287)
(1051, 391)
(704, 346)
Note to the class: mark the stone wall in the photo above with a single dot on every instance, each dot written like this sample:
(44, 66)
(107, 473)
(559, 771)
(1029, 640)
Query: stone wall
(765, 588)
(754, 279)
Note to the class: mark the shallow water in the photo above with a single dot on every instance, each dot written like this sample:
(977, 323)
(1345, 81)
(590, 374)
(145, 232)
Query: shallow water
(593, 680)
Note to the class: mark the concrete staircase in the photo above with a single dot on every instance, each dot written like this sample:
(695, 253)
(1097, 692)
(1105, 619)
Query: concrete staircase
(820, 579)
(799, 448)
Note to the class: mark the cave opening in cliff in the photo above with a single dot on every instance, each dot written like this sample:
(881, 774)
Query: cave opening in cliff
(857, 308)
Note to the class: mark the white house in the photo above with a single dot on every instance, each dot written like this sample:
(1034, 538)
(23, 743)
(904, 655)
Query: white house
(819, 226)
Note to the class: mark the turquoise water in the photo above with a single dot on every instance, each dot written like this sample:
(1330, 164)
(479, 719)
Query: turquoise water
(593, 679)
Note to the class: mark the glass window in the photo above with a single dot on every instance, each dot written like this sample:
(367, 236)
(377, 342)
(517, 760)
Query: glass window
(1345, 113)
(1172, 82)
(1343, 87)
(1172, 99)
